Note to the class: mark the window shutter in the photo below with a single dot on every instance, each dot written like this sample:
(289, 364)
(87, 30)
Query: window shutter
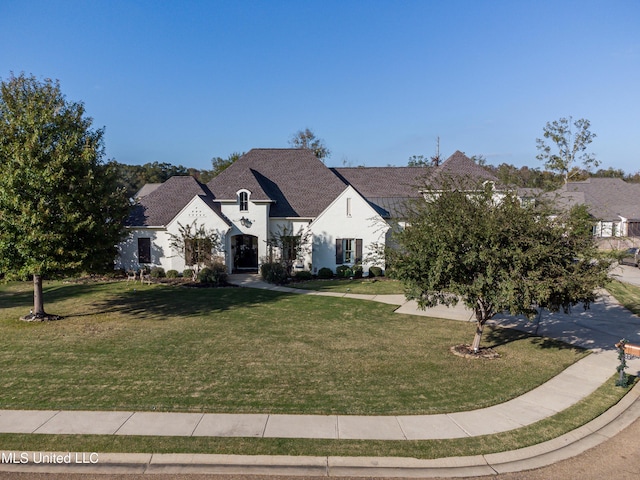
(358, 250)
(339, 257)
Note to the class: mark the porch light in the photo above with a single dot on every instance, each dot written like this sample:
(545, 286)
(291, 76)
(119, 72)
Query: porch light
(246, 222)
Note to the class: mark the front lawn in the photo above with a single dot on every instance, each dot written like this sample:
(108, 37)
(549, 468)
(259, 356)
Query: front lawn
(161, 347)
(373, 286)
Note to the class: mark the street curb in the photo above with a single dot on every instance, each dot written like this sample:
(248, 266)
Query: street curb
(602, 428)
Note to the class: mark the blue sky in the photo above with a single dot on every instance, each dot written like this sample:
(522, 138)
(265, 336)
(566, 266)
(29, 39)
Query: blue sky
(379, 81)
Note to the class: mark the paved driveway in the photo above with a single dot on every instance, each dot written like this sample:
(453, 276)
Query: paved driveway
(627, 274)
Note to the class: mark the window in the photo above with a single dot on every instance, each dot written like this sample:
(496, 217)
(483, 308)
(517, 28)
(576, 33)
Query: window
(197, 251)
(243, 198)
(348, 207)
(290, 247)
(144, 250)
(348, 250)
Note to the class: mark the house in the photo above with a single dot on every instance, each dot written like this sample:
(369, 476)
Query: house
(341, 215)
(614, 203)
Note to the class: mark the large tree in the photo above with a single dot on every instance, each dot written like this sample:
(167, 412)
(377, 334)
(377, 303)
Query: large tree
(569, 144)
(307, 139)
(60, 208)
(495, 254)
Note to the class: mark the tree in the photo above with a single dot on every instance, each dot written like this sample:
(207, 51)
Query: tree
(571, 146)
(287, 245)
(60, 208)
(196, 244)
(495, 254)
(219, 164)
(306, 139)
(420, 160)
(417, 161)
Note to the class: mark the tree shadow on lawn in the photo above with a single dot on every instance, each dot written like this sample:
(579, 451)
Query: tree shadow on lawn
(162, 302)
(139, 301)
(499, 336)
(51, 293)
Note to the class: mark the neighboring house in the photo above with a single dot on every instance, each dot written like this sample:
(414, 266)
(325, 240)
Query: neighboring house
(344, 213)
(614, 203)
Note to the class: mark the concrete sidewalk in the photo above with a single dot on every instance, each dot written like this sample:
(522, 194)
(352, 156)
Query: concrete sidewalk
(562, 391)
(566, 446)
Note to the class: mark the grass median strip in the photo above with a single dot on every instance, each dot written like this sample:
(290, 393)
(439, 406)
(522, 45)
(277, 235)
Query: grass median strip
(237, 350)
(582, 412)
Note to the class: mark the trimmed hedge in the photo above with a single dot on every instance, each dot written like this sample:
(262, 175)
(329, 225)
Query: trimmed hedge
(215, 275)
(357, 271)
(173, 274)
(274, 273)
(375, 272)
(325, 272)
(303, 275)
(157, 272)
(344, 271)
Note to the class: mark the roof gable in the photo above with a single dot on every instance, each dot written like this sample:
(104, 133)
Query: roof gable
(298, 183)
(160, 206)
(461, 167)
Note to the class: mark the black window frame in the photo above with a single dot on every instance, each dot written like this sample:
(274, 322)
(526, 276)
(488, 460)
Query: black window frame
(144, 250)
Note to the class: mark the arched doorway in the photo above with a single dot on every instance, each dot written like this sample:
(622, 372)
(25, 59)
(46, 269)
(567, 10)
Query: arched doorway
(245, 253)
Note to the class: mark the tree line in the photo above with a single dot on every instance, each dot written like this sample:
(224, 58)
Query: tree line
(563, 151)
(134, 177)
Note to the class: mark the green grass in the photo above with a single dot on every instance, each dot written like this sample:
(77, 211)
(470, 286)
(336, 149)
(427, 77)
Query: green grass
(245, 350)
(575, 416)
(374, 286)
(628, 295)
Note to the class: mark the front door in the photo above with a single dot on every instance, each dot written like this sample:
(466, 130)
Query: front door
(245, 253)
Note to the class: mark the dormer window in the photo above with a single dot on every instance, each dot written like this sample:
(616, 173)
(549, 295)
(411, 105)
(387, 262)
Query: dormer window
(243, 200)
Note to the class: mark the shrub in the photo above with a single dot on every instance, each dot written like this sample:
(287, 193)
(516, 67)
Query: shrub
(375, 272)
(325, 272)
(303, 275)
(172, 274)
(357, 271)
(117, 273)
(215, 274)
(274, 273)
(344, 271)
(157, 272)
(187, 273)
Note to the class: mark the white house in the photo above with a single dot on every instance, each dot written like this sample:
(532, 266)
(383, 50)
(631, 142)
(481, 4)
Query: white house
(343, 213)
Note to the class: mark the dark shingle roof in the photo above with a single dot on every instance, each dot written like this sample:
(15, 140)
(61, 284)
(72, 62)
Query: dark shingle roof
(297, 182)
(461, 167)
(390, 190)
(299, 185)
(384, 181)
(606, 198)
(161, 205)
